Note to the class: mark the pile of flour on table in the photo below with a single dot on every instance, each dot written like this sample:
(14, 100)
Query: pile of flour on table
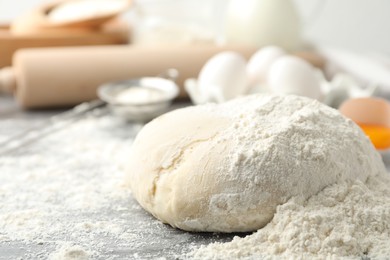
(344, 220)
(348, 218)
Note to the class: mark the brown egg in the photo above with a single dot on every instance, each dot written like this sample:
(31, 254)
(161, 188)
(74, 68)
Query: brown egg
(373, 116)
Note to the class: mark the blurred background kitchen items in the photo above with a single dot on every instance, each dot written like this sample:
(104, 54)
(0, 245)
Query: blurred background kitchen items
(223, 77)
(59, 77)
(272, 69)
(65, 23)
(86, 13)
(263, 22)
(367, 69)
(177, 22)
(142, 99)
(342, 86)
(373, 116)
(181, 34)
(71, 15)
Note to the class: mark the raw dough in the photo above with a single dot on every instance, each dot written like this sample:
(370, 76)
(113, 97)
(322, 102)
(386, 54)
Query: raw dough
(226, 167)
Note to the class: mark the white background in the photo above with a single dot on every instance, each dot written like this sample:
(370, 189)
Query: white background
(358, 25)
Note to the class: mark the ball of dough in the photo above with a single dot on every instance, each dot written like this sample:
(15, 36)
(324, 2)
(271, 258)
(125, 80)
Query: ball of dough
(226, 167)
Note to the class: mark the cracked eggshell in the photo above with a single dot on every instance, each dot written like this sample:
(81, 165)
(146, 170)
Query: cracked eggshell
(226, 71)
(367, 110)
(292, 75)
(260, 63)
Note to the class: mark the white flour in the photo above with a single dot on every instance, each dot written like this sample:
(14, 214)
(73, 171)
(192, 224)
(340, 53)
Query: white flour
(64, 196)
(348, 216)
(70, 252)
(344, 220)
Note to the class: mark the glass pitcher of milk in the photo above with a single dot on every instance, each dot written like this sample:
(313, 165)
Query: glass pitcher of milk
(263, 22)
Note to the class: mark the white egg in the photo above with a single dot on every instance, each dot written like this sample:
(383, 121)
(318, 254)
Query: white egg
(292, 75)
(260, 63)
(225, 71)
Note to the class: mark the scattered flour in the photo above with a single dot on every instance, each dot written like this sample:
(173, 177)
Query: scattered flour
(63, 196)
(70, 252)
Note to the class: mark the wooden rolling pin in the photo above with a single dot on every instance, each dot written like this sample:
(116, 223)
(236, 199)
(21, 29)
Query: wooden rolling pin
(54, 77)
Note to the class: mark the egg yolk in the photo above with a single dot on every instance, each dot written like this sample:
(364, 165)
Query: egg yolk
(379, 135)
